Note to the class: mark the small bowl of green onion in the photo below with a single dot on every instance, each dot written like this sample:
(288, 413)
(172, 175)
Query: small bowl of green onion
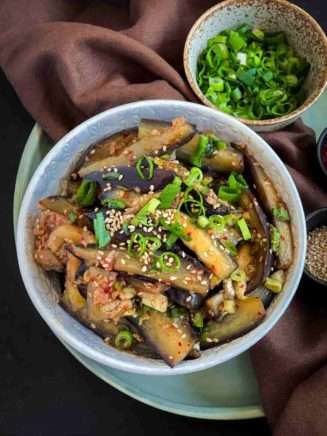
(263, 62)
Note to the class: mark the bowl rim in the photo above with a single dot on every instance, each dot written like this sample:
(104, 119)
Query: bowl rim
(309, 101)
(308, 218)
(144, 366)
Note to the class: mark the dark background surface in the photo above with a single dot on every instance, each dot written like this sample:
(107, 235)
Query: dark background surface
(43, 389)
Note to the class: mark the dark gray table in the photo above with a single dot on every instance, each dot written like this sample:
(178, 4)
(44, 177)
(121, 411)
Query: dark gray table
(43, 389)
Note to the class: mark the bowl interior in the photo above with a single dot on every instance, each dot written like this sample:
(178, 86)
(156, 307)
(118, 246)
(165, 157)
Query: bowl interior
(302, 31)
(42, 287)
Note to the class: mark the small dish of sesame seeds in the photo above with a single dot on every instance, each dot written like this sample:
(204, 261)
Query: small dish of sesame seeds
(316, 256)
(159, 243)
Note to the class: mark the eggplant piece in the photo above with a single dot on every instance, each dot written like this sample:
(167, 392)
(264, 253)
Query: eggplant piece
(111, 146)
(223, 161)
(140, 285)
(71, 297)
(131, 180)
(48, 260)
(122, 262)
(270, 200)
(178, 133)
(190, 300)
(64, 206)
(151, 127)
(260, 239)
(213, 257)
(249, 313)
(173, 339)
(68, 233)
(264, 294)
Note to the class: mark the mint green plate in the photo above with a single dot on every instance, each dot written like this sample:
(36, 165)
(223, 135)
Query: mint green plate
(227, 391)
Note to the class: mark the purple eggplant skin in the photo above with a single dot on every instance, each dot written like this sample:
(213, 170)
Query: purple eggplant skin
(131, 180)
(269, 199)
(190, 300)
(260, 239)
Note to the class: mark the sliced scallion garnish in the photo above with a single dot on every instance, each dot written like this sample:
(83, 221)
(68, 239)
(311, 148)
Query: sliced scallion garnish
(281, 214)
(86, 193)
(124, 340)
(114, 203)
(246, 233)
(169, 193)
(145, 168)
(148, 209)
(101, 233)
(169, 262)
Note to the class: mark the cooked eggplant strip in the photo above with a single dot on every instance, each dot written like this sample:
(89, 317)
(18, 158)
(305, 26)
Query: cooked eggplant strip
(151, 127)
(122, 262)
(270, 201)
(70, 234)
(173, 339)
(110, 146)
(260, 239)
(71, 296)
(66, 207)
(129, 179)
(215, 258)
(249, 313)
(184, 298)
(177, 134)
(223, 161)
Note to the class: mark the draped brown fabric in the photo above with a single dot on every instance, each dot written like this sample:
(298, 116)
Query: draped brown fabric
(70, 59)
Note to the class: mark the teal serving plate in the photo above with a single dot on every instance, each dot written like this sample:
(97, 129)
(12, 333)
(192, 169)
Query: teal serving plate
(225, 392)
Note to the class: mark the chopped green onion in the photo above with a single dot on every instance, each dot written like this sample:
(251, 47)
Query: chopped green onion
(111, 175)
(246, 234)
(86, 193)
(169, 193)
(198, 320)
(136, 244)
(237, 181)
(273, 285)
(238, 276)
(177, 313)
(194, 176)
(145, 168)
(196, 158)
(114, 203)
(258, 34)
(72, 217)
(236, 41)
(152, 243)
(230, 247)
(202, 221)
(281, 214)
(252, 74)
(171, 240)
(274, 239)
(101, 233)
(169, 262)
(217, 222)
(124, 340)
(148, 209)
(229, 194)
(193, 206)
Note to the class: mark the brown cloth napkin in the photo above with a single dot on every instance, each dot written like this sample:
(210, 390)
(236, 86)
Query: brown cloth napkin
(69, 59)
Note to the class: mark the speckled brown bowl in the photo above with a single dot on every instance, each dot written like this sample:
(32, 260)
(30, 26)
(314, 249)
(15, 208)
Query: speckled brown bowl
(303, 32)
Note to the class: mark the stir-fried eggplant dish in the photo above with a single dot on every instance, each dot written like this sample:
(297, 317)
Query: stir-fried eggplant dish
(168, 240)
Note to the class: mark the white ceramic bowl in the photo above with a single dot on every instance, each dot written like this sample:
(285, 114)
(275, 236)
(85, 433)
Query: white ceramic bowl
(56, 165)
(303, 32)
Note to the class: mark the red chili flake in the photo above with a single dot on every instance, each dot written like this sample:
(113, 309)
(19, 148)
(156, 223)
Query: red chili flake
(324, 155)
